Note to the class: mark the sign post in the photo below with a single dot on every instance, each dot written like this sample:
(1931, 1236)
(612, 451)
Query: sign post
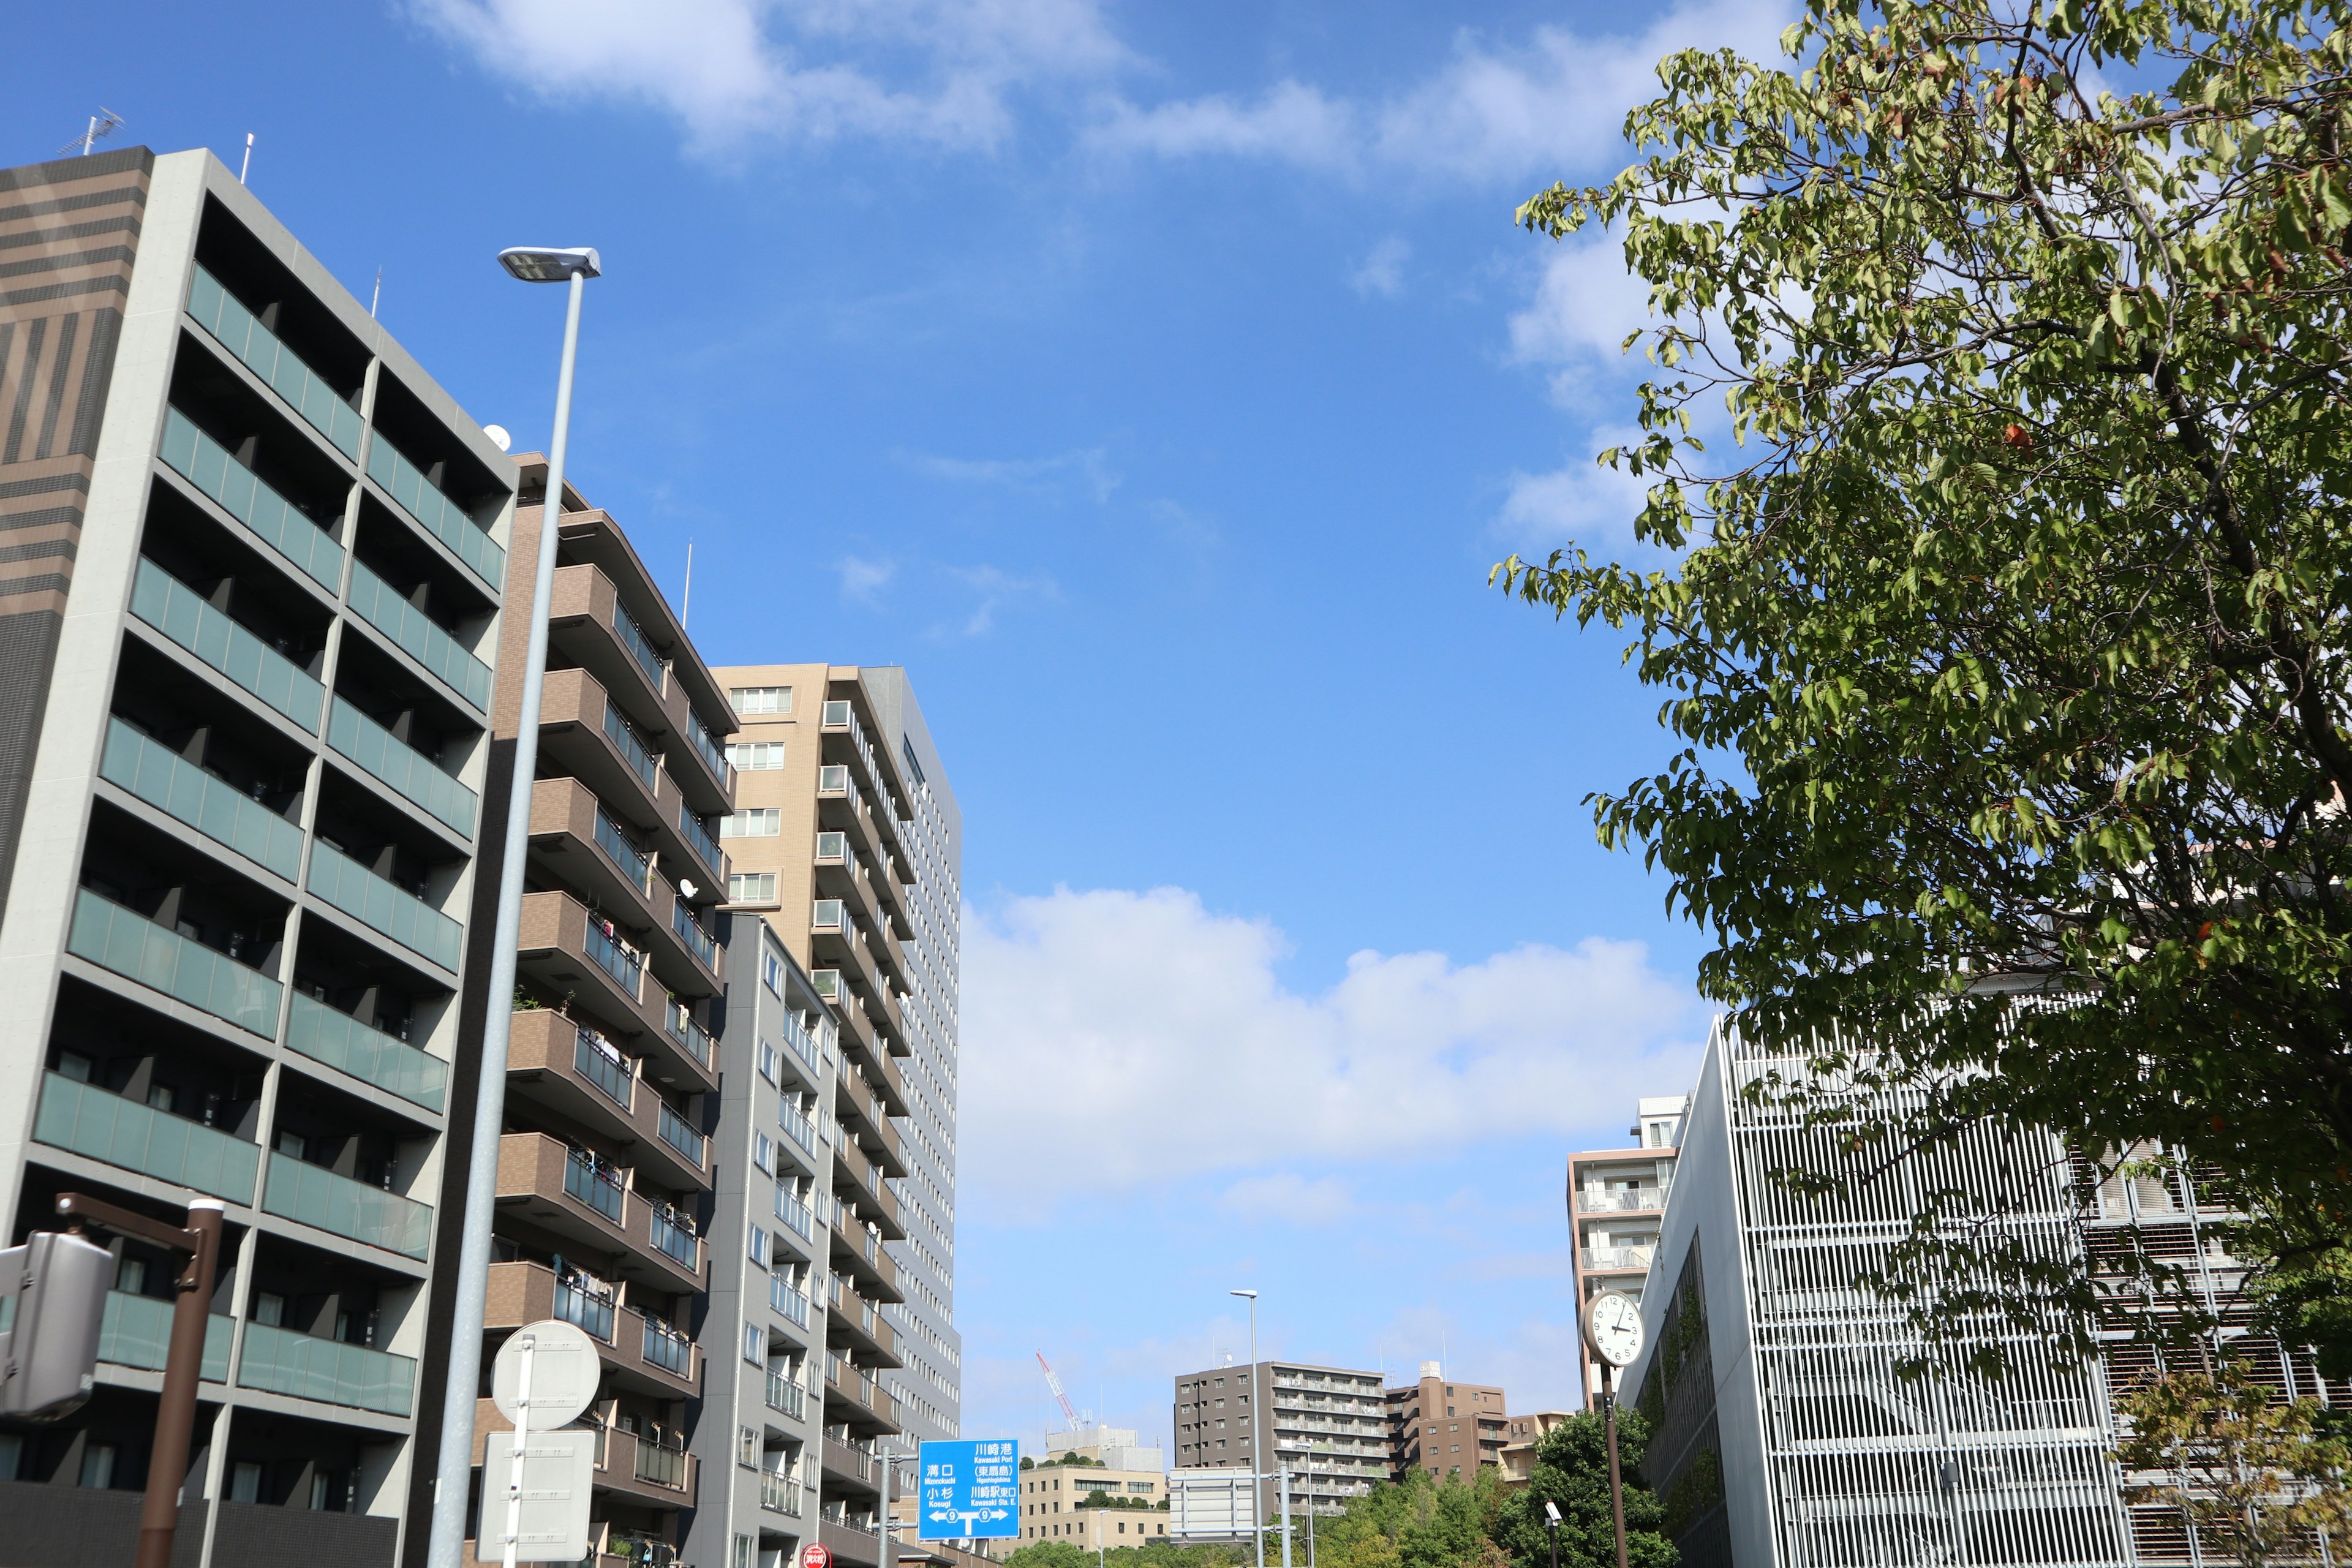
(545, 1376)
(970, 1491)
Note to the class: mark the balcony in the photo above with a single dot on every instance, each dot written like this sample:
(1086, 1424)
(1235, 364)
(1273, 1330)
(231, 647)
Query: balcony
(629, 1467)
(130, 945)
(837, 943)
(586, 1200)
(569, 952)
(85, 1120)
(699, 942)
(779, 1494)
(644, 1358)
(344, 1043)
(797, 1219)
(589, 626)
(843, 809)
(435, 512)
(182, 615)
(840, 874)
(1649, 1200)
(801, 1131)
(850, 1395)
(1615, 1259)
(787, 1301)
(878, 1141)
(582, 734)
(679, 1022)
(239, 491)
(854, 1321)
(136, 1331)
(313, 1196)
(239, 330)
(679, 1134)
(875, 1202)
(384, 906)
(421, 637)
(701, 844)
(850, 1465)
(406, 772)
(588, 1080)
(144, 767)
(860, 1251)
(303, 1366)
(674, 1237)
(845, 739)
(786, 1397)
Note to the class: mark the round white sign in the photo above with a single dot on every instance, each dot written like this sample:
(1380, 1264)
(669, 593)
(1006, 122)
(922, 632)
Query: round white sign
(563, 1374)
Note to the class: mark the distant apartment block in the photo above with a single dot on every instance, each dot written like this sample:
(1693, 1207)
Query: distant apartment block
(1444, 1428)
(254, 590)
(1616, 1198)
(1091, 1506)
(1520, 1435)
(1327, 1426)
(605, 1173)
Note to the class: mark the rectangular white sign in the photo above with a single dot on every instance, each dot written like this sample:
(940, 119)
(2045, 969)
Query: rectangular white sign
(1219, 1502)
(558, 1468)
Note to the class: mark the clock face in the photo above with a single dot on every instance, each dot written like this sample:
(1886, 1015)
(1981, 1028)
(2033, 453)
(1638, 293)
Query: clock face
(1614, 1328)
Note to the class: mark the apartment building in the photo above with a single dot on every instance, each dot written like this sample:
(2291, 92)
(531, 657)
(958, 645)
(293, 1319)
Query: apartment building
(1616, 1198)
(605, 1171)
(846, 839)
(1327, 1426)
(253, 598)
(1521, 1433)
(1444, 1428)
(1092, 1506)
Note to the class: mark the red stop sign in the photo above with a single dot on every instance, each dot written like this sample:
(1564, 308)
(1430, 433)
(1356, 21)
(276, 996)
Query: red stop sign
(816, 1554)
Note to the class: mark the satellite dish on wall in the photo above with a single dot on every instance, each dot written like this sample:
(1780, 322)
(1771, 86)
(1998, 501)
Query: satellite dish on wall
(499, 437)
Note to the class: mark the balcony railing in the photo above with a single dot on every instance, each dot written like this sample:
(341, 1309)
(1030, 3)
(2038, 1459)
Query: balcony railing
(406, 484)
(699, 942)
(603, 1067)
(181, 614)
(1617, 1257)
(673, 1237)
(786, 1300)
(420, 636)
(709, 747)
(409, 772)
(385, 905)
(632, 637)
(1640, 1202)
(206, 802)
(804, 1045)
(600, 1186)
(676, 1131)
(136, 1331)
(240, 332)
(660, 1465)
(698, 836)
(630, 861)
(315, 1196)
(613, 958)
(240, 492)
(687, 1032)
(279, 1361)
(340, 1040)
(795, 1215)
(136, 948)
(779, 1494)
(86, 1120)
(802, 1130)
(667, 1349)
(591, 1313)
(630, 744)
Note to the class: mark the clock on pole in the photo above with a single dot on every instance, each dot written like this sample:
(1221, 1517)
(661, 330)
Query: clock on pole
(1612, 1326)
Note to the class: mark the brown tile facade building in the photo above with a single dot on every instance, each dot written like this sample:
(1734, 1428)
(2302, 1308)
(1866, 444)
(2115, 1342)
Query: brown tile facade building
(1444, 1428)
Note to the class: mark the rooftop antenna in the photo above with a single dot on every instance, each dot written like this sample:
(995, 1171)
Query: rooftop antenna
(686, 608)
(377, 298)
(246, 167)
(102, 124)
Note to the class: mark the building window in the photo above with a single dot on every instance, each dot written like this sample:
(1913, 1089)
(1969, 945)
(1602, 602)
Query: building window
(98, 1465)
(751, 887)
(746, 1449)
(244, 1482)
(760, 822)
(763, 1151)
(756, 756)
(742, 1551)
(760, 698)
(759, 1246)
(755, 1344)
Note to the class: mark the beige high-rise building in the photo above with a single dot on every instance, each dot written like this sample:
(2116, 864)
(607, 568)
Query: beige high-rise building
(1446, 1428)
(1616, 1200)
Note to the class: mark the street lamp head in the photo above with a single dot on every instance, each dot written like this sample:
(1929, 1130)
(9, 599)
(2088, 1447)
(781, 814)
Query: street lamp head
(551, 263)
(1251, 1294)
(1551, 1513)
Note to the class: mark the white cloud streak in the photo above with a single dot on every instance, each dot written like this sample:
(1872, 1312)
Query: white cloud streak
(1382, 271)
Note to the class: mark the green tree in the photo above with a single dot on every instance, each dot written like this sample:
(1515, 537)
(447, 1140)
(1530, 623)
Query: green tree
(2011, 638)
(1571, 1472)
(1049, 1554)
(1418, 1523)
(2257, 1476)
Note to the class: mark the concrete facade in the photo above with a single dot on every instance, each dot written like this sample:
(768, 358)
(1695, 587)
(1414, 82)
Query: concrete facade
(1615, 1200)
(254, 593)
(1329, 1425)
(1060, 1502)
(1444, 1428)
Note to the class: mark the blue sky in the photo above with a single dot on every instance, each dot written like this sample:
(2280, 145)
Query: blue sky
(1158, 384)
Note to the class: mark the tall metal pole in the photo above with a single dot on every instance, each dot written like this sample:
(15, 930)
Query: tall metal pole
(454, 1472)
(176, 1411)
(1257, 1451)
(1616, 1482)
(1284, 1471)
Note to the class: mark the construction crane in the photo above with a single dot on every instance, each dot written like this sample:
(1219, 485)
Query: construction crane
(1055, 1384)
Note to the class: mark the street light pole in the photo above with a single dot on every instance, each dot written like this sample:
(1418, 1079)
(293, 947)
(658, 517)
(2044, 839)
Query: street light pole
(1616, 1482)
(1257, 1493)
(447, 1543)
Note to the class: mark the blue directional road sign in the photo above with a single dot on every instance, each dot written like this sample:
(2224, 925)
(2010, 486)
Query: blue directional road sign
(971, 1489)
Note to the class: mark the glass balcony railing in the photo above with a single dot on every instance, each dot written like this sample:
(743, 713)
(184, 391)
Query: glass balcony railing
(833, 846)
(613, 958)
(698, 836)
(632, 637)
(828, 916)
(592, 1180)
(340, 1040)
(87, 1120)
(420, 636)
(312, 1195)
(709, 747)
(785, 1395)
(279, 1361)
(630, 744)
(385, 905)
(691, 1036)
(410, 774)
(240, 492)
(136, 1331)
(660, 1466)
(630, 861)
(136, 948)
(206, 802)
(603, 1067)
(676, 1132)
(240, 332)
(788, 1300)
(803, 1043)
(801, 1130)
(780, 1494)
(667, 1349)
(181, 614)
(441, 517)
(796, 1215)
(591, 1313)
(699, 942)
(673, 1238)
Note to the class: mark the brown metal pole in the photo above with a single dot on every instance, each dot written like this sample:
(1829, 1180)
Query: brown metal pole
(1616, 1482)
(175, 1412)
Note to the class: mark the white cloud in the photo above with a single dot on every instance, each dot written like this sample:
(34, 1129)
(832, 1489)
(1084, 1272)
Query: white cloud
(1585, 303)
(1382, 271)
(1089, 466)
(1581, 501)
(1288, 1198)
(997, 588)
(1093, 1020)
(1553, 103)
(932, 70)
(863, 580)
